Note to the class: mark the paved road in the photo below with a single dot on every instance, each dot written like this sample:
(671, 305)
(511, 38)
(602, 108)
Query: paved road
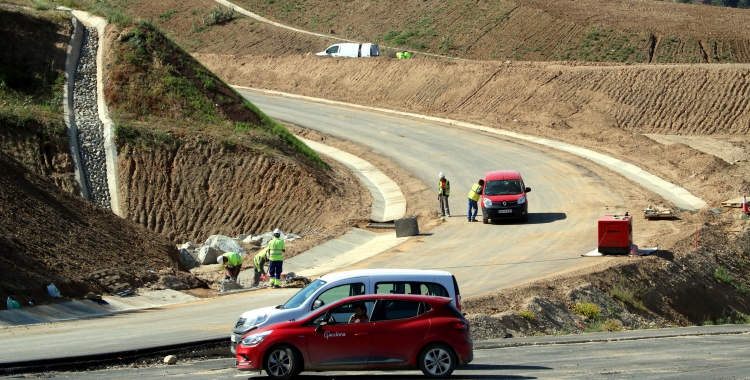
(565, 202)
(685, 357)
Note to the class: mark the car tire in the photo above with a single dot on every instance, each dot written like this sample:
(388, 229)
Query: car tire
(485, 220)
(282, 362)
(437, 361)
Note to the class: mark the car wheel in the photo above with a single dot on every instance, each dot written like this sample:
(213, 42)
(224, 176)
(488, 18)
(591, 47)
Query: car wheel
(282, 363)
(437, 361)
(485, 220)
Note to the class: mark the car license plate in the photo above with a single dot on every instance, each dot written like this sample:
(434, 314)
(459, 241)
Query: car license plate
(232, 338)
(504, 211)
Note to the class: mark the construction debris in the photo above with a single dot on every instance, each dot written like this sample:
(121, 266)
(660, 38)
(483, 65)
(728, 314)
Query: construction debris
(652, 212)
(735, 203)
(112, 282)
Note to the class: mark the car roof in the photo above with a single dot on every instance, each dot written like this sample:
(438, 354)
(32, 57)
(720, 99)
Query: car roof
(502, 174)
(384, 272)
(402, 297)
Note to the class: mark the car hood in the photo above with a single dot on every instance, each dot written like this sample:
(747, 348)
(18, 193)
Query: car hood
(503, 198)
(322, 53)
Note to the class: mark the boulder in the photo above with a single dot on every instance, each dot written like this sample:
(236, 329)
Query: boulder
(224, 244)
(190, 246)
(207, 255)
(187, 259)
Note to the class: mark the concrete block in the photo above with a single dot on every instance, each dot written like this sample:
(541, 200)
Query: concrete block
(406, 227)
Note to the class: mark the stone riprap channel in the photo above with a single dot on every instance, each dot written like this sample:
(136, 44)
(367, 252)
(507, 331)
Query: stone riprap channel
(90, 127)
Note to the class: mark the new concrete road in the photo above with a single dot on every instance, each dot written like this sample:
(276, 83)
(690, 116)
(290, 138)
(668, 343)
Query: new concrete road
(565, 202)
(639, 357)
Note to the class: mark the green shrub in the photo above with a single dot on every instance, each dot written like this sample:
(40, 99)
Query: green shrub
(612, 325)
(526, 314)
(588, 310)
(722, 275)
(220, 16)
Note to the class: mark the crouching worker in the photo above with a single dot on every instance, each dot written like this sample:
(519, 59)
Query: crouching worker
(259, 262)
(231, 263)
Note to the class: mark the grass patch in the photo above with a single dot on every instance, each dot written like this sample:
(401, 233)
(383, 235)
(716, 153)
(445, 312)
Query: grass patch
(625, 295)
(526, 314)
(588, 310)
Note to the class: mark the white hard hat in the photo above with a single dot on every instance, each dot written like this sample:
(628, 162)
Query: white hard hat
(277, 232)
(442, 175)
(220, 259)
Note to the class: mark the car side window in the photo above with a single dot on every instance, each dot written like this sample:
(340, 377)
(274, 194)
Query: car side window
(403, 287)
(389, 310)
(342, 291)
(332, 49)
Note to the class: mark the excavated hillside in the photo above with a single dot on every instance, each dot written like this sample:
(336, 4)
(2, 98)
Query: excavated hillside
(529, 30)
(201, 160)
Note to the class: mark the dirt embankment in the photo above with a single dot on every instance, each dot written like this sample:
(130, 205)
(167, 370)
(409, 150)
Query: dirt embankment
(50, 236)
(528, 30)
(203, 187)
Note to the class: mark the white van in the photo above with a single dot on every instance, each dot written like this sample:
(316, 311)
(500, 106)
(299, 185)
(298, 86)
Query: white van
(350, 49)
(335, 286)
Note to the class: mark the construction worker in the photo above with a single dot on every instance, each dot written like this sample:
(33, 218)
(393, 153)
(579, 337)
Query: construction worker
(474, 194)
(444, 190)
(276, 249)
(259, 262)
(231, 263)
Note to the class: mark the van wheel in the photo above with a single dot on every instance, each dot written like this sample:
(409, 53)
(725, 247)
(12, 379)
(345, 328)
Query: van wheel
(282, 363)
(437, 361)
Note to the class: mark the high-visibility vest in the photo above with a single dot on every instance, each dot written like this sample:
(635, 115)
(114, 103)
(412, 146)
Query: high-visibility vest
(260, 259)
(276, 249)
(447, 188)
(476, 190)
(232, 258)
(399, 55)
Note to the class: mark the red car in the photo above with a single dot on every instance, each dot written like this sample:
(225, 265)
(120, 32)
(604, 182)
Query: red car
(370, 332)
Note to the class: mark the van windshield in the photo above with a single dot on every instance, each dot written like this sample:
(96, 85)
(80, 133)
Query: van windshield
(304, 294)
(503, 187)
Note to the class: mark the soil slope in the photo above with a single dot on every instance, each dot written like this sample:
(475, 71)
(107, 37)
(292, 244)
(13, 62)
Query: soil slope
(49, 236)
(529, 30)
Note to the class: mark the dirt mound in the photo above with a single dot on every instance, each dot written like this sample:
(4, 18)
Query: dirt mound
(679, 286)
(49, 236)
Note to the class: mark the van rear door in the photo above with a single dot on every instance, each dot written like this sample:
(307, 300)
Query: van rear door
(458, 293)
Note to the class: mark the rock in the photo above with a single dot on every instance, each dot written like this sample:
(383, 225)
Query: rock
(229, 285)
(190, 246)
(170, 359)
(224, 244)
(207, 255)
(172, 282)
(241, 237)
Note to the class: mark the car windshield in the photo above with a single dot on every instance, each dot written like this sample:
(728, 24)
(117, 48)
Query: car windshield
(304, 294)
(503, 187)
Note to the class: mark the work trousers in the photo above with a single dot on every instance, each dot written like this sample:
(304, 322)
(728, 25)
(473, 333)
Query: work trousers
(274, 272)
(444, 208)
(473, 206)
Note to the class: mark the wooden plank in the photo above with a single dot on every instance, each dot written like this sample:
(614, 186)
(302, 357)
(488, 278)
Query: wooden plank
(737, 203)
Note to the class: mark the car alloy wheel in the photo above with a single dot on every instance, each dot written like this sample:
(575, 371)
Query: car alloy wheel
(282, 363)
(437, 361)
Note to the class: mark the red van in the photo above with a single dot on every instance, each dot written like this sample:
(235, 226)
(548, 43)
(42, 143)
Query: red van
(504, 196)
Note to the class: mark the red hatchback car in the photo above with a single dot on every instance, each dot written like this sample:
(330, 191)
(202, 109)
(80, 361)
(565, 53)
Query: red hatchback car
(370, 332)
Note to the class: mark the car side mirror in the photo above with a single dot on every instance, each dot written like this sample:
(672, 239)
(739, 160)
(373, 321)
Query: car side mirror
(320, 325)
(317, 304)
(528, 189)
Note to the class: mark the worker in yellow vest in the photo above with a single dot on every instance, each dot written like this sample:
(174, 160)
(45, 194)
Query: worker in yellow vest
(474, 194)
(259, 262)
(444, 190)
(231, 263)
(276, 249)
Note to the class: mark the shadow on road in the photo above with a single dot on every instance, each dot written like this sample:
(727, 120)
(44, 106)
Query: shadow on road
(535, 218)
(457, 375)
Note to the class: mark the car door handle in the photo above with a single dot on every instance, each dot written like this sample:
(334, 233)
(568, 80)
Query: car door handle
(360, 334)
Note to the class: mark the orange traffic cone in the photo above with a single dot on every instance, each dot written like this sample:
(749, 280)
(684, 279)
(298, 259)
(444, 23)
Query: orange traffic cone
(744, 203)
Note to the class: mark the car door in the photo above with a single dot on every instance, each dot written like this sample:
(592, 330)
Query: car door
(339, 342)
(399, 327)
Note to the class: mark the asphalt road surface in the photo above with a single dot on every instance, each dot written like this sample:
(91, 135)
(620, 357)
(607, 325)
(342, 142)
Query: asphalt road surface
(690, 357)
(565, 202)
